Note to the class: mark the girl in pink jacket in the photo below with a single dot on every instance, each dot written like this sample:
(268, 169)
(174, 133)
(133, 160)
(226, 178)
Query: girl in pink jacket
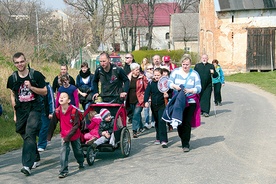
(93, 128)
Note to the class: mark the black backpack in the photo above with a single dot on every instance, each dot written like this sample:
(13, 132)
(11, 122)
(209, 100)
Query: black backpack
(31, 76)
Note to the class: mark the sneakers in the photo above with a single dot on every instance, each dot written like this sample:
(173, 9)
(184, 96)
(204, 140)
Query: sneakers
(62, 175)
(141, 130)
(152, 124)
(170, 128)
(81, 166)
(40, 149)
(186, 149)
(135, 135)
(147, 126)
(94, 146)
(219, 104)
(205, 114)
(157, 142)
(36, 164)
(26, 170)
(91, 141)
(164, 145)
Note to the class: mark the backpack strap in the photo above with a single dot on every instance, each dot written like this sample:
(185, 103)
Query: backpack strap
(31, 75)
(14, 76)
(73, 114)
(57, 112)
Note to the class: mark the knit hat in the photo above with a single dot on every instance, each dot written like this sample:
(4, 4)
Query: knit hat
(104, 113)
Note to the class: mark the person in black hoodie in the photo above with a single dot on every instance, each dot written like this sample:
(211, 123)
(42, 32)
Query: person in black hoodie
(157, 107)
(206, 72)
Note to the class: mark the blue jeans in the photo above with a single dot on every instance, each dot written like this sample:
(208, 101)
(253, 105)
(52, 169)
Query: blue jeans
(42, 137)
(147, 115)
(65, 150)
(137, 117)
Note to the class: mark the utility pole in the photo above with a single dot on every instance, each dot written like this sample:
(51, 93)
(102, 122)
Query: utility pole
(37, 30)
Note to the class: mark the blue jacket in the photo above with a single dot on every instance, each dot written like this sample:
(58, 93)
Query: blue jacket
(174, 109)
(220, 77)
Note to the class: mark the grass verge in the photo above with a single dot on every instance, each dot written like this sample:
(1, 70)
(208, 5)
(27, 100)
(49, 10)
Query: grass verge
(264, 80)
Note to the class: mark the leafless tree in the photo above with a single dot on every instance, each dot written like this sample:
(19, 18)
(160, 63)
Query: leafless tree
(17, 26)
(129, 22)
(95, 13)
(188, 5)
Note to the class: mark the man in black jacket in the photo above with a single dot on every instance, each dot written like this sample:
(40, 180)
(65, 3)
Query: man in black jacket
(206, 71)
(114, 81)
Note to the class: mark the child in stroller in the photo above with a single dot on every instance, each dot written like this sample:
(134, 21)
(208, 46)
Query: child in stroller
(105, 129)
(93, 128)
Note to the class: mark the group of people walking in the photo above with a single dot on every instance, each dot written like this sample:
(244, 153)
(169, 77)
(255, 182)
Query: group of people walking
(180, 107)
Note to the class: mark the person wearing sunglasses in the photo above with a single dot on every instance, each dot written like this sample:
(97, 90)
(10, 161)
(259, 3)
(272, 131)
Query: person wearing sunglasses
(129, 59)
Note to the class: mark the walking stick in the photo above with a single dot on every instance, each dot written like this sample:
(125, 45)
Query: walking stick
(213, 91)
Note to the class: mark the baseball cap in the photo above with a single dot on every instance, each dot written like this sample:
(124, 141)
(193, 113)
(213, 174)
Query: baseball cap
(167, 58)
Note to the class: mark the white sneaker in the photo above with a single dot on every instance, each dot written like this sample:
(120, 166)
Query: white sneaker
(36, 164)
(152, 124)
(157, 142)
(146, 125)
(26, 170)
(40, 149)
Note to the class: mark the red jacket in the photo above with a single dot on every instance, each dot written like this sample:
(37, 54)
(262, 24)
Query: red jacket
(141, 85)
(69, 129)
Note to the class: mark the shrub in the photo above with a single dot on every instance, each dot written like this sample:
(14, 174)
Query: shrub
(174, 54)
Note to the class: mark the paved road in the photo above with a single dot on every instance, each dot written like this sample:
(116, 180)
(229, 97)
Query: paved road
(236, 146)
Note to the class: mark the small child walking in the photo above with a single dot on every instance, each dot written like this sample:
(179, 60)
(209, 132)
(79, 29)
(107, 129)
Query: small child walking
(106, 128)
(157, 108)
(69, 132)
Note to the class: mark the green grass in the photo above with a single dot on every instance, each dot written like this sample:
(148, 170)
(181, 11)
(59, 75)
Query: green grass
(264, 80)
(9, 139)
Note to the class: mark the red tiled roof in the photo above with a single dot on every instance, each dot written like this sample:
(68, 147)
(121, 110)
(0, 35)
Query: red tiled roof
(138, 14)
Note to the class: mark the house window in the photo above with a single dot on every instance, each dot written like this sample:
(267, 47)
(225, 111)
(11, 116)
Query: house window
(187, 49)
(167, 36)
(130, 32)
(147, 36)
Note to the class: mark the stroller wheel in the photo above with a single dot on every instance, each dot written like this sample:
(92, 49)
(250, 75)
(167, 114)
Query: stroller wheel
(125, 142)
